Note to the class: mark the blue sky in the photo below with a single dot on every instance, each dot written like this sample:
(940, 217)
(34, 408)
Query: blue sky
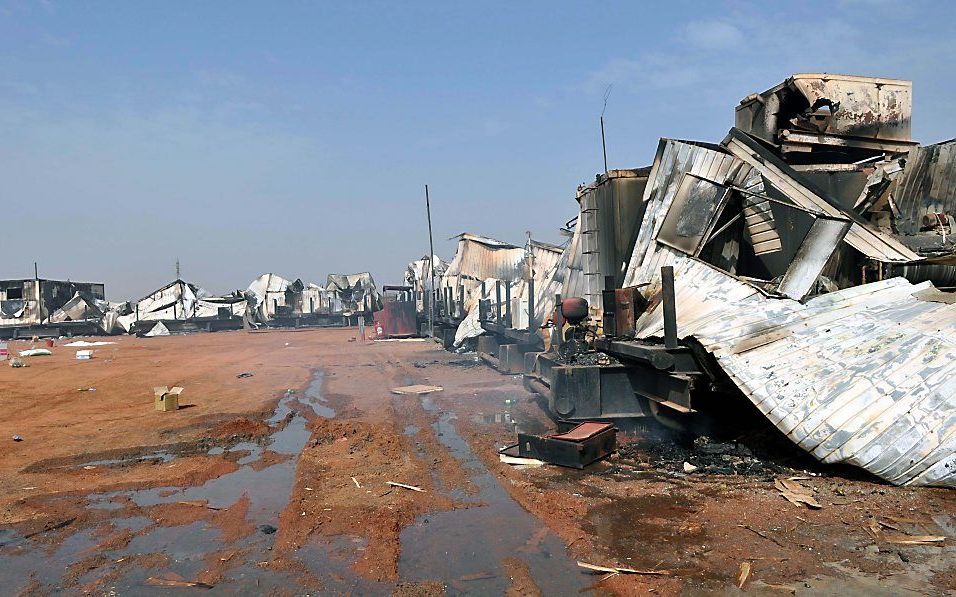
(295, 137)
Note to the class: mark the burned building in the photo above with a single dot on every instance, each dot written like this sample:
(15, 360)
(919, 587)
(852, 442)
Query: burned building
(26, 305)
(277, 302)
(181, 306)
(353, 295)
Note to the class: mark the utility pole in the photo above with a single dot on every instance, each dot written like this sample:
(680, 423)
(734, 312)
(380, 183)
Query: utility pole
(431, 266)
(177, 268)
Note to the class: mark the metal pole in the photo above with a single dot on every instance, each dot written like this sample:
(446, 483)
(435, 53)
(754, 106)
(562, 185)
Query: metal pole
(669, 305)
(558, 320)
(431, 264)
(603, 145)
(531, 303)
(498, 301)
(508, 318)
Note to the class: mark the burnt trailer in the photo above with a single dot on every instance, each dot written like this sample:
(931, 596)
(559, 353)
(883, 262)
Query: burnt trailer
(479, 261)
(27, 306)
(181, 307)
(511, 314)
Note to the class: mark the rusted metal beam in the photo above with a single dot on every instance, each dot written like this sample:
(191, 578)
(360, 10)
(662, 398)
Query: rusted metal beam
(669, 304)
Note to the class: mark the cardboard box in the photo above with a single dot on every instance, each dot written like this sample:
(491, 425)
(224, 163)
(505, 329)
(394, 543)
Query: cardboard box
(167, 399)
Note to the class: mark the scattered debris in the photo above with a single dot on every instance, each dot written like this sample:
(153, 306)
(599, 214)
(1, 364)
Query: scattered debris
(615, 570)
(17, 438)
(159, 329)
(159, 581)
(85, 344)
(403, 486)
(85, 389)
(900, 537)
(267, 529)
(354, 480)
(796, 494)
(18, 363)
(36, 352)
(51, 527)
(689, 468)
(761, 533)
(577, 448)
(517, 461)
(915, 539)
(245, 374)
(743, 575)
(417, 389)
(84, 355)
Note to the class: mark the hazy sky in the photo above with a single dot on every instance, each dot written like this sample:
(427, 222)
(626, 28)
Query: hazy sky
(295, 137)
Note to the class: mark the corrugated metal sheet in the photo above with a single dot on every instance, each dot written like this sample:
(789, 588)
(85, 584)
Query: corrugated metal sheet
(479, 258)
(861, 236)
(545, 257)
(862, 376)
(674, 159)
(611, 210)
(927, 185)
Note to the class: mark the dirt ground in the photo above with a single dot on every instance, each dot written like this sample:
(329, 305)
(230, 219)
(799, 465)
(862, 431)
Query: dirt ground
(278, 483)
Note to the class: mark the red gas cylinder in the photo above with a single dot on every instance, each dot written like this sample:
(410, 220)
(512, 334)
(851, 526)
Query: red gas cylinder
(574, 309)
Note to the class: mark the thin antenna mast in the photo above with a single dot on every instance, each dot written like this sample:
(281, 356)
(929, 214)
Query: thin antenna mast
(607, 94)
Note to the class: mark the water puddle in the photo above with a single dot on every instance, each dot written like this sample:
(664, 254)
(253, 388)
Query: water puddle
(157, 457)
(466, 548)
(187, 547)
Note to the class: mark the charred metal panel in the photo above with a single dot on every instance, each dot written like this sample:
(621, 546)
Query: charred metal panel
(802, 193)
(398, 318)
(822, 239)
(926, 186)
(628, 303)
(692, 213)
(834, 117)
(611, 212)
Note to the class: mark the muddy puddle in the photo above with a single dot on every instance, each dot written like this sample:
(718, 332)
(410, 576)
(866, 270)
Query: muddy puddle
(640, 529)
(187, 550)
(467, 549)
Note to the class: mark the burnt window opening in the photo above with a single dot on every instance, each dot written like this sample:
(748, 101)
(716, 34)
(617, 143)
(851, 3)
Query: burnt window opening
(696, 206)
(15, 294)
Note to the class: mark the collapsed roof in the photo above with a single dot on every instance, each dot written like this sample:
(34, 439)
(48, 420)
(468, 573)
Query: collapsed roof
(860, 375)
